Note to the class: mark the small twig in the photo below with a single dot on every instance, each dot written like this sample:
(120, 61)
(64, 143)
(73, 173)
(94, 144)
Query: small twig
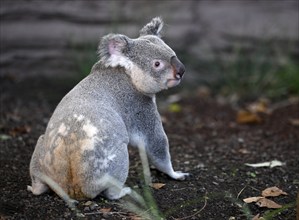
(179, 189)
(196, 213)
(124, 214)
(254, 188)
(143, 214)
(241, 192)
(283, 104)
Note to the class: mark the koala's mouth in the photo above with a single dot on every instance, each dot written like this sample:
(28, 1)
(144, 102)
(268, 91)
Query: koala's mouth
(172, 82)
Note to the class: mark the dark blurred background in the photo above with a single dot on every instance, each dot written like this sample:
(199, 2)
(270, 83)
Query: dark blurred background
(240, 49)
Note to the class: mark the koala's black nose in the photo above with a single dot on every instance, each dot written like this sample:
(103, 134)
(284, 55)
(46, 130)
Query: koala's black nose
(178, 67)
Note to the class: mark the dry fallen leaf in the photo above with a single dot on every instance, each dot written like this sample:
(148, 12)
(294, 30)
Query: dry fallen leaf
(203, 92)
(264, 202)
(252, 199)
(271, 164)
(247, 117)
(20, 130)
(105, 210)
(260, 106)
(158, 185)
(257, 217)
(135, 217)
(294, 121)
(273, 191)
(244, 151)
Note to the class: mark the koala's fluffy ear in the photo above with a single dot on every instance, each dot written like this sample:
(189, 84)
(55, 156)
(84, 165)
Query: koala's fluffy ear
(153, 28)
(112, 51)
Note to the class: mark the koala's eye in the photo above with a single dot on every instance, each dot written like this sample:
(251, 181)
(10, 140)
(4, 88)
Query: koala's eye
(158, 65)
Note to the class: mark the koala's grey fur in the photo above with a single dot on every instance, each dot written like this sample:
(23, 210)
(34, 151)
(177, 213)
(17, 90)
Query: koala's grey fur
(86, 139)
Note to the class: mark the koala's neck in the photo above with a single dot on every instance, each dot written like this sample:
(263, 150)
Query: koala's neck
(124, 77)
(119, 84)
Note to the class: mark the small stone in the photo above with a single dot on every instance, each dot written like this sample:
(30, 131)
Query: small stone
(93, 206)
(241, 140)
(86, 209)
(202, 189)
(88, 203)
(66, 214)
(80, 215)
(23, 193)
(200, 165)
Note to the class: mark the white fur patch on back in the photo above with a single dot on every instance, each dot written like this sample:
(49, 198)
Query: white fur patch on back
(79, 117)
(62, 130)
(90, 129)
(93, 136)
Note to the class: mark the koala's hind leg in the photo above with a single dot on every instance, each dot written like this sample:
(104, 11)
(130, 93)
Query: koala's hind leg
(110, 187)
(37, 187)
(114, 193)
(117, 178)
(41, 182)
(114, 184)
(108, 175)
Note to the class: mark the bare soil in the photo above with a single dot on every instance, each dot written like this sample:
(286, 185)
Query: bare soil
(205, 141)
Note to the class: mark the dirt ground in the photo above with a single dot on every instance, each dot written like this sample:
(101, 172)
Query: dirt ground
(205, 140)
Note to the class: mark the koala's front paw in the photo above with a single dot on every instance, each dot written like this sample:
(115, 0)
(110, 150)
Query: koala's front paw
(178, 175)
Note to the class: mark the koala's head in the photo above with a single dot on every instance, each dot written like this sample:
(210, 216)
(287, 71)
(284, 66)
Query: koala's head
(151, 64)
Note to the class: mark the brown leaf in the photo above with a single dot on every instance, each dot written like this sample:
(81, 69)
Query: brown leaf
(264, 202)
(158, 185)
(294, 121)
(247, 117)
(252, 199)
(244, 151)
(203, 92)
(273, 191)
(20, 130)
(135, 217)
(105, 210)
(257, 217)
(260, 106)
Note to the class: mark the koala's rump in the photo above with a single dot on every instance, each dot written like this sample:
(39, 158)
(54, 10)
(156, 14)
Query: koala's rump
(82, 146)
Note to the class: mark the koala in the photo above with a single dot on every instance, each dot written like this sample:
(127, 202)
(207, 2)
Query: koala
(86, 140)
